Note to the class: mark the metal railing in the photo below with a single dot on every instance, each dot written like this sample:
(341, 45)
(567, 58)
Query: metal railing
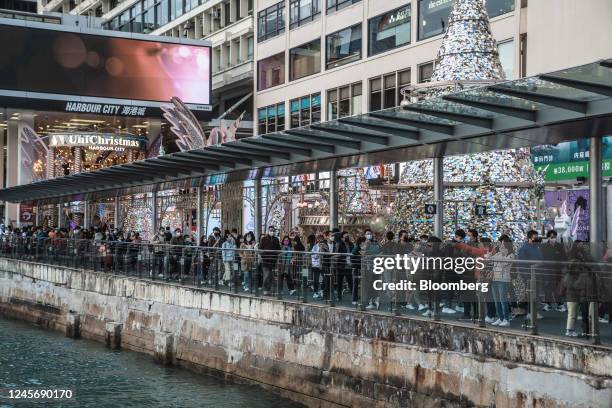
(357, 279)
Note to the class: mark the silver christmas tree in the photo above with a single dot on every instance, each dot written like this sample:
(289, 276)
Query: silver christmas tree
(505, 181)
(468, 51)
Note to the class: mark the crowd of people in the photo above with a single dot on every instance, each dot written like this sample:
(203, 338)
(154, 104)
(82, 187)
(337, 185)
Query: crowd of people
(571, 278)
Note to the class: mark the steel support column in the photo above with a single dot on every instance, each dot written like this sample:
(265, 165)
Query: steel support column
(60, 213)
(86, 215)
(595, 186)
(198, 213)
(257, 209)
(37, 218)
(117, 218)
(438, 193)
(596, 221)
(155, 214)
(333, 199)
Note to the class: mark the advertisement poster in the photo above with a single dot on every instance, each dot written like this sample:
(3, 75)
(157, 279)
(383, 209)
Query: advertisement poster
(567, 212)
(569, 160)
(26, 213)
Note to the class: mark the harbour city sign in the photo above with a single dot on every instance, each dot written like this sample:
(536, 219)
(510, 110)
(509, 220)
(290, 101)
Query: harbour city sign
(95, 141)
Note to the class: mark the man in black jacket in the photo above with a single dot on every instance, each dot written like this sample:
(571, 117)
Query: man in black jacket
(553, 251)
(268, 259)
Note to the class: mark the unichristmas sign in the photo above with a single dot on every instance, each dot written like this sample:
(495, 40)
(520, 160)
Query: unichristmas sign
(93, 141)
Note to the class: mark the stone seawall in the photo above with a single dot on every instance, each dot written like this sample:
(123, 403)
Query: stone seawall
(320, 356)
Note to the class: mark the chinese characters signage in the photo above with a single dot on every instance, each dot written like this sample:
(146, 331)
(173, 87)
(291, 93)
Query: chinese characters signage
(569, 160)
(106, 109)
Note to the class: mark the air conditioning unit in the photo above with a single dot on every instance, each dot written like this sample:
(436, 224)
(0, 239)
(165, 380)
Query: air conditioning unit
(216, 14)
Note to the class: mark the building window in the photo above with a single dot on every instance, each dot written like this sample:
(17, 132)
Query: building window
(344, 101)
(305, 110)
(506, 56)
(305, 60)
(433, 14)
(250, 48)
(271, 21)
(425, 72)
(303, 11)
(271, 119)
(271, 71)
(389, 30)
(335, 5)
(343, 47)
(385, 90)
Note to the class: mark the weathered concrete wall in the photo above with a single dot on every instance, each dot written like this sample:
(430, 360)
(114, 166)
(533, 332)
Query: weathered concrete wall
(323, 357)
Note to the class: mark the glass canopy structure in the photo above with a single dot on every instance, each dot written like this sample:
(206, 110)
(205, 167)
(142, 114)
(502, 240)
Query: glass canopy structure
(544, 109)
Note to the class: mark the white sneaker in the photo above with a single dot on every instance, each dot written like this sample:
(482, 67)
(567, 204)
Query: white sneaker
(422, 307)
(354, 303)
(546, 307)
(448, 310)
(603, 320)
(570, 333)
(410, 306)
(371, 306)
(528, 317)
(503, 323)
(316, 296)
(292, 292)
(459, 309)
(428, 313)
(561, 309)
(496, 323)
(489, 319)
(220, 282)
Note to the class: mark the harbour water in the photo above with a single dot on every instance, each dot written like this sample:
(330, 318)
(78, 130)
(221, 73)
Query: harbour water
(37, 359)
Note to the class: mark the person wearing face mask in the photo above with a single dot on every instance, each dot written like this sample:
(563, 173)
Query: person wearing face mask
(500, 284)
(356, 267)
(529, 251)
(369, 249)
(270, 245)
(229, 257)
(285, 266)
(553, 251)
(247, 259)
(345, 274)
(176, 252)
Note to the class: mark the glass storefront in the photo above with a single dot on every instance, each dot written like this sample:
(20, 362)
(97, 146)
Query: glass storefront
(389, 30)
(343, 47)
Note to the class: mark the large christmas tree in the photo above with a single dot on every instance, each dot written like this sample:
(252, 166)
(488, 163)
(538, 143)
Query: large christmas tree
(505, 182)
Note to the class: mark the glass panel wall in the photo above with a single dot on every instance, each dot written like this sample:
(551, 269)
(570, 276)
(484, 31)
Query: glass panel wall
(271, 71)
(389, 30)
(305, 60)
(303, 11)
(343, 47)
(271, 21)
(433, 14)
(305, 110)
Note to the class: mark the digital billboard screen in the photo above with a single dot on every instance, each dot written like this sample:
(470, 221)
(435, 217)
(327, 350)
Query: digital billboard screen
(48, 61)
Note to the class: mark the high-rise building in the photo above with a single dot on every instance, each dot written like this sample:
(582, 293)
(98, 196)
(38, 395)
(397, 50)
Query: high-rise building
(322, 60)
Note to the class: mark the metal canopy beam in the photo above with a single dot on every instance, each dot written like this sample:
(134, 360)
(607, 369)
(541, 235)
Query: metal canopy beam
(479, 121)
(521, 113)
(325, 138)
(196, 162)
(274, 152)
(434, 127)
(606, 63)
(404, 132)
(213, 154)
(236, 153)
(296, 141)
(559, 102)
(258, 141)
(593, 87)
(364, 137)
